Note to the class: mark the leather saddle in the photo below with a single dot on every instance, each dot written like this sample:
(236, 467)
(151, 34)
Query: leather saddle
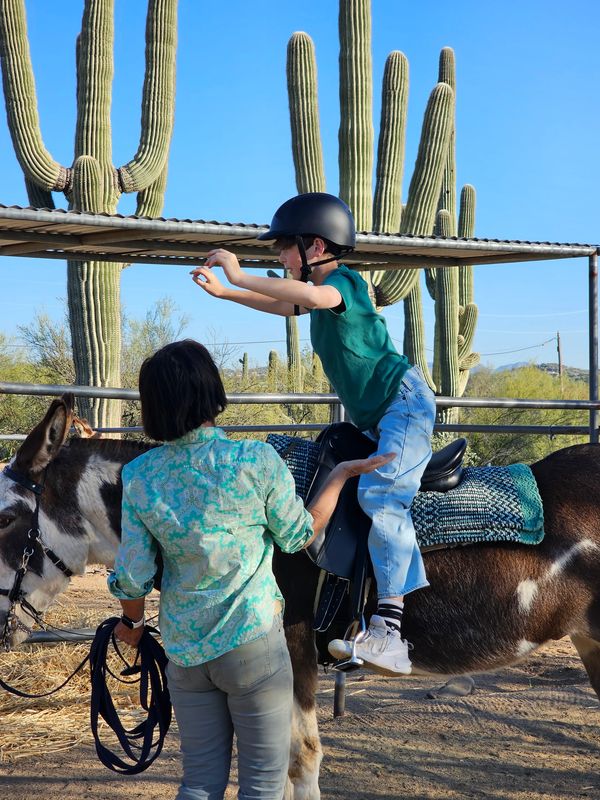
(341, 550)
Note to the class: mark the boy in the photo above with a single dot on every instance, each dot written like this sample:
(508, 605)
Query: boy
(385, 397)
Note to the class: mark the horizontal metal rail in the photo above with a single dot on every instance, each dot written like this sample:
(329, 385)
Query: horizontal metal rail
(243, 398)
(248, 398)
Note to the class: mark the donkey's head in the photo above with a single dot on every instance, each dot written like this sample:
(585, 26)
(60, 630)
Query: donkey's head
(35, 561)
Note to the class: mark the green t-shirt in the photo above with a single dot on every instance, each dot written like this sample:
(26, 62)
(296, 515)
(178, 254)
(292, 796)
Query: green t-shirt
(356, 351)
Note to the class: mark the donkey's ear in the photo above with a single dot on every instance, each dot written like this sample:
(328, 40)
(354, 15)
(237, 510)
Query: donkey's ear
(46, 439)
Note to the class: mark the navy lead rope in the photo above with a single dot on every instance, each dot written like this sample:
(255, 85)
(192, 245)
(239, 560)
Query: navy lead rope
(139, 744)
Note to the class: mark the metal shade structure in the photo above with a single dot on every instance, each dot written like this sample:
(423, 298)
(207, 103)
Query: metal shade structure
(73, 235)
(79, 236)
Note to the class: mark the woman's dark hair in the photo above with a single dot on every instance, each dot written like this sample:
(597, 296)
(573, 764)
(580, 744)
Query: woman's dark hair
(180, 389)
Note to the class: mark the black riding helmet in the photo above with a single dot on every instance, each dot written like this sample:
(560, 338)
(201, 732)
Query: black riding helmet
(314, 214)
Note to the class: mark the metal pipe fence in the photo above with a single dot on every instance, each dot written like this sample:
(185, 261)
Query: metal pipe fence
(592, 406)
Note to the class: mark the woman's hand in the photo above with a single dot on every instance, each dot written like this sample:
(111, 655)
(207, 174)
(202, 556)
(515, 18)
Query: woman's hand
(360, 466)
(130, 636)
(229, 263)
(323, 505)
(208, 281)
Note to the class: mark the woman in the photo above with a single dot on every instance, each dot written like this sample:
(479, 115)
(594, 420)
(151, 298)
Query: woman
(215, 508)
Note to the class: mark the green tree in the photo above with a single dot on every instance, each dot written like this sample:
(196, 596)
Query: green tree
(523, 383)
(49, 345)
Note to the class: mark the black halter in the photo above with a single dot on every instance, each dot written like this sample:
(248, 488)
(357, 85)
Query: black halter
(34, 539)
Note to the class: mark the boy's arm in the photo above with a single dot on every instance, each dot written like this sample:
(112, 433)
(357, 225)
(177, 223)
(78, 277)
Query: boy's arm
(208, 281)
(294, 292)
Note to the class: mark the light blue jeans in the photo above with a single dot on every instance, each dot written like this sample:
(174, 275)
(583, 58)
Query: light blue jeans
(247, 691)
(386, 494)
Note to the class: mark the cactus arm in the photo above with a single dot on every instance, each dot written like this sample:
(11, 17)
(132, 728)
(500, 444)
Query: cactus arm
(158, 98)
(39, 167)
(301, 70)
(447, 199)
(446, 360)
(418, 216)
(150, 201)
(468, 310)
(356, 136)
(387, 206)
(466, 230)
(387, 203)
(38, 197)
(414, 332)
(430, 275)
(468, 323)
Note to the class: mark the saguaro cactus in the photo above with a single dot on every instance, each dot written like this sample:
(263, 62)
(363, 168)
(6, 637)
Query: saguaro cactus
(92, 183)
(273, 372)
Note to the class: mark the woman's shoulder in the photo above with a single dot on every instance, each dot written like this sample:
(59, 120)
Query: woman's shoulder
(140, 464)
(254, 449)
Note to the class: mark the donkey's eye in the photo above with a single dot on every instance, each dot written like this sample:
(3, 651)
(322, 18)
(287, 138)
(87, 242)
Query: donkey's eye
(5, 520)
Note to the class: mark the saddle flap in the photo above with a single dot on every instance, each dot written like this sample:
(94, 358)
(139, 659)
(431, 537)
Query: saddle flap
(334, 550)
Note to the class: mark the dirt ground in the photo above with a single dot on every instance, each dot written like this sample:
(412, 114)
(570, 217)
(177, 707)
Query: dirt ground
(524, 733)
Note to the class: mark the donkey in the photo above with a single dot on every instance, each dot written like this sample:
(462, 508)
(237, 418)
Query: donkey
(488, 606)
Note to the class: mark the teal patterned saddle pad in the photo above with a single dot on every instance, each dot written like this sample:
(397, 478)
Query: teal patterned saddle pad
(491, 504)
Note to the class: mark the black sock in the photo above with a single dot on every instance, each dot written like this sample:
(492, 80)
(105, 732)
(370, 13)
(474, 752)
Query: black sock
(392, 614)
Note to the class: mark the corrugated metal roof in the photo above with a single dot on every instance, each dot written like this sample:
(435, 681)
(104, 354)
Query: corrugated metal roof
(74, 235)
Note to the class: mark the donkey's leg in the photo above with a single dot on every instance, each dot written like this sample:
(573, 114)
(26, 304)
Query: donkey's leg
(305, 752)
(589, 652)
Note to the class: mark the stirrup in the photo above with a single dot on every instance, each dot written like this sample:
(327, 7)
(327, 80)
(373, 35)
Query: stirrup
(354, 662)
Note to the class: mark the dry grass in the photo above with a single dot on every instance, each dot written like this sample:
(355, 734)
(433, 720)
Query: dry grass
(59, 722)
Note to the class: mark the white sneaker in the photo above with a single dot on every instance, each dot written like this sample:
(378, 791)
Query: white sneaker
(382, 649)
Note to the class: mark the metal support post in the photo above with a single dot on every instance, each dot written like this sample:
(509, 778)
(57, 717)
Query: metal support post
(593, 346)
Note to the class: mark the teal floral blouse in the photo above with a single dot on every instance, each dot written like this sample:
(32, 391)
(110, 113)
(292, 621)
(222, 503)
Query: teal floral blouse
(214, 507)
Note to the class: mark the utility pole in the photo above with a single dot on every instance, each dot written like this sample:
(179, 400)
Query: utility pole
(560, 368)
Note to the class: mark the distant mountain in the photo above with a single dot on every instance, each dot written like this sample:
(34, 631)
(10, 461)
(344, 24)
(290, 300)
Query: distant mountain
(575, 373)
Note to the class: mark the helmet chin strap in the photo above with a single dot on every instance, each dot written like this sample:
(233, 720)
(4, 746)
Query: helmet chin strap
(306, 267)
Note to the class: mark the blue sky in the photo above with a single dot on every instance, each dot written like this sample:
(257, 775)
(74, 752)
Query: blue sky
(528, 115)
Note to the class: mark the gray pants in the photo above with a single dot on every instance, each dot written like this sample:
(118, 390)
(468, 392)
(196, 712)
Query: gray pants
(247, 691)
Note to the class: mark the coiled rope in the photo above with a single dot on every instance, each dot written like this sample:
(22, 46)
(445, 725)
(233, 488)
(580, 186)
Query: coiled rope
(140, 744)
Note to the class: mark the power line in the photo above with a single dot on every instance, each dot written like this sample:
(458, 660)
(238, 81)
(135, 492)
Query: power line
(505, 352)
(520, 350)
